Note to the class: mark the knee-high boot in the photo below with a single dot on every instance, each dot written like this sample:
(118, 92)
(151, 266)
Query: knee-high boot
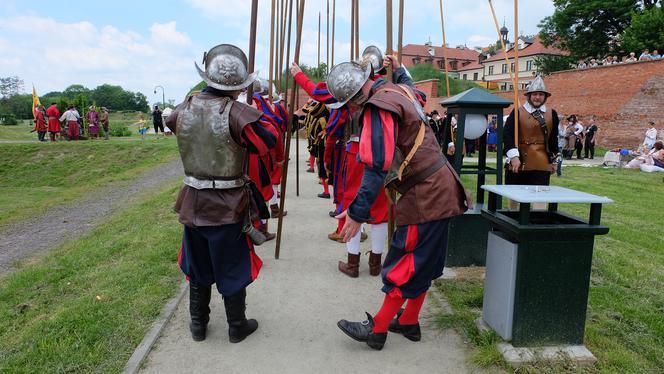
(199, 309)
(239, 327)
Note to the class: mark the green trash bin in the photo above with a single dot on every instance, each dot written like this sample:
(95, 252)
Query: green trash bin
(538, 265)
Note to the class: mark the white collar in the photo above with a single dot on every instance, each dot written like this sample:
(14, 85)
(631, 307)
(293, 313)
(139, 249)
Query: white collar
(529, 108)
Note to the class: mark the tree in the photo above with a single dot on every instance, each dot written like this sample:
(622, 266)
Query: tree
(645, 31)
(589, 27)
(547, 64)
(10, 86)
(426, 71)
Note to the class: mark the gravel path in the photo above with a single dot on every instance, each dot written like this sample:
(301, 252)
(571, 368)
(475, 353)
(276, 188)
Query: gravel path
(62, 223)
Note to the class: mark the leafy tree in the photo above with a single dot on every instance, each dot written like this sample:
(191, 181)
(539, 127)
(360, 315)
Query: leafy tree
(547, 64)
(10, 86)
(645, 31)
(19, 106)
(588, 27)
(426, 71)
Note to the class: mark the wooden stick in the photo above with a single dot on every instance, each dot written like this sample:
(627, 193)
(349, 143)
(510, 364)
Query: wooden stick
(357, 29)
(400, 38)
(289, 130)
(271, 67)
(334, 11)
(352, 29)
(252, 47)
(447, 75)
(516, 73)
(284, 12)
(318, 66)
(502, 43)
(277, 47)
(290, 114)
(327, 40)
(391, 194)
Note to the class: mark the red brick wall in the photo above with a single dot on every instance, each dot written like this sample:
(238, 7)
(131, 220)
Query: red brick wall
(622, 98)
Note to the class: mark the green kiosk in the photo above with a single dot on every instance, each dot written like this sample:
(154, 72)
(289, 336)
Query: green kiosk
(466, 245)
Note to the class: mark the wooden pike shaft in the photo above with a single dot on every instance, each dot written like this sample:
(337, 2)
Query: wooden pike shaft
(271, 68)
(516, 73)
(502, 44)
(290, 18)
(252, 46)
(334, 11)
(357, 29)
(284, 11)
(291, 109)
(400, 39)
(447, 76)
(391, 194)
(327, 40)
(352, 29)
(318, 66)
(277, 46)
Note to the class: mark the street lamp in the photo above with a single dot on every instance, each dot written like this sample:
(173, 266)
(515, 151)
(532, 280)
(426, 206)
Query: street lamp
(163, 96)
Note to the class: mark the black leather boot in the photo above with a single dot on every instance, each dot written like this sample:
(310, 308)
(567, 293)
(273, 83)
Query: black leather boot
(239, 327)
(411, 332)
(363, 332)
(199, 309)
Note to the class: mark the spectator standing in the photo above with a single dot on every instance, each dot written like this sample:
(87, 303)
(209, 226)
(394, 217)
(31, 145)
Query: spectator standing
(157, 120)
(53, 115)
(593, 63)
(590, 137)
(578, 133)
(645, 56)
(93, 122)
(71, 117)
(562, 143)
(651, 136)
(436, 124)
(492, 136)
(103, 119)
(581, 64)
(655, 55)
(631, 58)
(40, 123)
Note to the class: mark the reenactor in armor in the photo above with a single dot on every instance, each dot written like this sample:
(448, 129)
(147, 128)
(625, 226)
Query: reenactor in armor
(218, 203)
(535, 157)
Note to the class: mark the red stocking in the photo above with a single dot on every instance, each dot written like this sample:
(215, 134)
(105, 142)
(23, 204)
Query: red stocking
(388, 310)
(412, 312)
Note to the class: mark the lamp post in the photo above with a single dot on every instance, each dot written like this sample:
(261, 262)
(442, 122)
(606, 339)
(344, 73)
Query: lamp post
(163, 96)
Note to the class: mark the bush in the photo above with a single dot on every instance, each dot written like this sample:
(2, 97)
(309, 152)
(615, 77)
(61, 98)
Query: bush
(8, 119)
(119, 130)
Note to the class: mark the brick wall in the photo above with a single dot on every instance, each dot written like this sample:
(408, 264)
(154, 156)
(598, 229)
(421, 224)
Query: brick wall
(622, 98)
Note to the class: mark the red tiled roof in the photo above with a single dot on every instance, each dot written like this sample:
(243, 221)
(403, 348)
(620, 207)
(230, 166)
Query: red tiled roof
(536, 48)
(472, 66)
(452, 53)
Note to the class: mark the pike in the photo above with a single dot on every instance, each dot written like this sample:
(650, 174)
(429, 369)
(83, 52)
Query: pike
(516, 72)
(252, 47)
(391, 194)
(447, 76)
(334, 11)
(271, 63)
(291, 109)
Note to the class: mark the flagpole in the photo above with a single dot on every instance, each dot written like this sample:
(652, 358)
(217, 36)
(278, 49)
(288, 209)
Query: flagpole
(284, 179)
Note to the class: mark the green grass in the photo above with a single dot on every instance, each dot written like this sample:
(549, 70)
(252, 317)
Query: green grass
(625, 320)
(37, 176)
(18, 132)
(85, 306)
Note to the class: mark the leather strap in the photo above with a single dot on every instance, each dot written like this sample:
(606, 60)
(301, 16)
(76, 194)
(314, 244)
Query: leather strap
(422, 175)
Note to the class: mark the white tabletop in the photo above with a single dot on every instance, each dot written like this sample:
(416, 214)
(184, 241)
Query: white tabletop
(544, 194)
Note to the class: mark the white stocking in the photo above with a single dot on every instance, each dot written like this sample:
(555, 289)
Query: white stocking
(353, 245)
(378, 237)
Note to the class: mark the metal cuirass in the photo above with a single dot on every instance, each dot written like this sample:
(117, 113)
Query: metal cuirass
(207, 148)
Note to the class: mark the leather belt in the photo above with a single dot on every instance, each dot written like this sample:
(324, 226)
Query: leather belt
(201, 184)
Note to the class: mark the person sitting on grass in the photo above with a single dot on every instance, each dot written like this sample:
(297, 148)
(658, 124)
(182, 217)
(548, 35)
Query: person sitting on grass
(655, 156)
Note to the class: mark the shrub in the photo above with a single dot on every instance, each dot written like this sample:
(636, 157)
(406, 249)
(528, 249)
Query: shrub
(119, 130)
(8, 119)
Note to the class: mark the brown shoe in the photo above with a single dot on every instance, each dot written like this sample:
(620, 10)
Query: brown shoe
(352, 267)
(268, 235)
(375, 263)
(336, 237)
(274, 208)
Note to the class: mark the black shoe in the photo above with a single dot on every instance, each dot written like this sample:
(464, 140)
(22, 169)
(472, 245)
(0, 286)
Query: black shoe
(324, 195)
(363, 332)
(411, 332)
(333, 214)
(199, 309)
(239, 327)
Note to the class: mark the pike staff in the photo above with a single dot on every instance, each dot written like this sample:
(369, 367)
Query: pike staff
(391, 194)
(334, 11)
(271, 67)
(516, 73)
(442, 23)
(502, 43)
(291, 109)
(252, 47)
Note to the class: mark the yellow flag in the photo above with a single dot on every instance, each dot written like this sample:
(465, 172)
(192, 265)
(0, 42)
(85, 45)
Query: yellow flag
(35, 102)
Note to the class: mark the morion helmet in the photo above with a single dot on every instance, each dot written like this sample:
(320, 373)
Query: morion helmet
(375, 56)
(345, 80)
(537, 85)
(226, 68)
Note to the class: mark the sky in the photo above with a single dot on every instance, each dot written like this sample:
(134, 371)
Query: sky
(143, 43)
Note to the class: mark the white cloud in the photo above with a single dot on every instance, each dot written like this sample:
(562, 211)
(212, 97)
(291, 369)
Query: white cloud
(54, 55)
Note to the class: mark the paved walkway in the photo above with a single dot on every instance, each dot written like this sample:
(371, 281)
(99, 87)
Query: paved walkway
(297, 300)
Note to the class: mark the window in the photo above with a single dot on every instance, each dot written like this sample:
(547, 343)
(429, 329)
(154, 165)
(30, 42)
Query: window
(475, 76)
(465, 77)
(491, 70)
(512, 67)
(504, 71)
(529, 65)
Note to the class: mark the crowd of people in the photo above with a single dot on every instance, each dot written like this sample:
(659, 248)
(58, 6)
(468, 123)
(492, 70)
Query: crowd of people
(592, 62)
(69, 125)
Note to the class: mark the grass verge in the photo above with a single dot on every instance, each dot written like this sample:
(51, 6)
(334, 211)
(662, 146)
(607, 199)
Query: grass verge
(625, 318)
(85, 306)
(35, 177)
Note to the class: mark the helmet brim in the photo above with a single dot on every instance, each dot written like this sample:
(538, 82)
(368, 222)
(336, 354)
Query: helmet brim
(250, 79)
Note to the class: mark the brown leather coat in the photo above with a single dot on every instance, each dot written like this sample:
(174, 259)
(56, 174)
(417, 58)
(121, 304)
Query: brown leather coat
(532, 146)
(441, 194)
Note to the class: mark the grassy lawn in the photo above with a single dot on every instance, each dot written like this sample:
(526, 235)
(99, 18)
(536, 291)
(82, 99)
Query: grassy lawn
(18, 132)
(85, 306)
(625, 320)
(34, 177)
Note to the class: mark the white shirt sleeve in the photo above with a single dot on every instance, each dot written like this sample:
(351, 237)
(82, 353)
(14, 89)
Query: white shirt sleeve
(514, 152)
